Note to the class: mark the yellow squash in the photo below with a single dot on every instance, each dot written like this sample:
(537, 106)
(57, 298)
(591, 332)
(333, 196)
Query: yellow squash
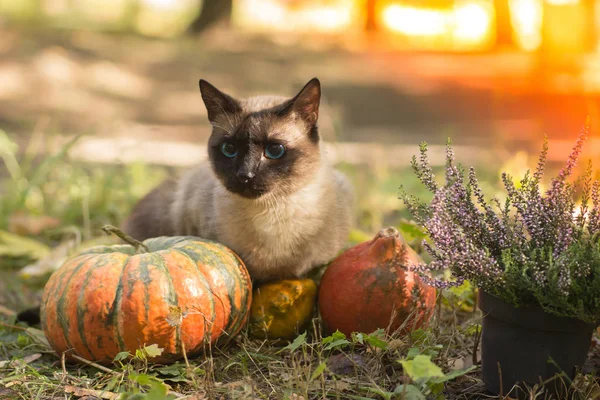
(282, 309)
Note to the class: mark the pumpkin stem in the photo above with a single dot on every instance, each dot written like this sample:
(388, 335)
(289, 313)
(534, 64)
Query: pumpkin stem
(109, 229)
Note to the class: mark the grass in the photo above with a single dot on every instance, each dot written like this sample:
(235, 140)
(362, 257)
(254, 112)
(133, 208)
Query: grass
(50, 207)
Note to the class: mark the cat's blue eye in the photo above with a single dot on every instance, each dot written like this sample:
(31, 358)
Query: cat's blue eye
(229, 150)
(274, 151)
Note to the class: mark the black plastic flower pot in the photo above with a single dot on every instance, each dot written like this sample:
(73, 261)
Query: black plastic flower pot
(518, 343)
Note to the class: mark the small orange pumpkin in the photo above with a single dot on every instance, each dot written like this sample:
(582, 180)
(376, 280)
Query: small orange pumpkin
(368, 287)
(181, 294)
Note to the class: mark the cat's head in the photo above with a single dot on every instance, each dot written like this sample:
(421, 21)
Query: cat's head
(266, 144)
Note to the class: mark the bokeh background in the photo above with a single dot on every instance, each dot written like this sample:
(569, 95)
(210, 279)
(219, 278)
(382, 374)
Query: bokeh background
(99, 99)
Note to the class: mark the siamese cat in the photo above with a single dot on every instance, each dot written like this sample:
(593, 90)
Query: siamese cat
(266, 191)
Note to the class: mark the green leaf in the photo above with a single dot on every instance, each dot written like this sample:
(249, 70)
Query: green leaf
(122, 356)
(337, 343)
(173, 370)
(454, 374)
(153, 350)
(140, 354)
(421, 367)
(432, 351)
(375, 340)
(299, 341)
(173, 373)
(413, 352)
(419, 335)
(142, 379)
(158, 391)
(410, 392)
(337, 335)
(358, 337)
(380, 392)
(411, 231)
(462, 297)
(112, 383)
(23, 340)
(179, 378)
(436, 389)
(318, 371)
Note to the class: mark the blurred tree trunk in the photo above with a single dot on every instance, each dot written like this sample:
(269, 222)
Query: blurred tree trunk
(503, 25)
(371, 24)
(212, 11)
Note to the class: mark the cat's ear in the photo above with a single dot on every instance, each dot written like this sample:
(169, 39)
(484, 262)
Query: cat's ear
(306, 103)
(217, 103)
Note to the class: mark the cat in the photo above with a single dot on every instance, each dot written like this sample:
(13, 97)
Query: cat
(267, 190)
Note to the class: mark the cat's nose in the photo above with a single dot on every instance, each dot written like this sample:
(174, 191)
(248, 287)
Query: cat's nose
(245, 176)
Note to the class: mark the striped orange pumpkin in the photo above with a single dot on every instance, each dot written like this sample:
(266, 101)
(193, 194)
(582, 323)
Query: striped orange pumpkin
(181, 294)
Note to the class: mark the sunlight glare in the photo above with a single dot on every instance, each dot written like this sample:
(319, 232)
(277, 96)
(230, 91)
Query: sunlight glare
(162, 4)
(472, 22)
(469, 23)
(270, 14)
(562, 2)
(328, 18)
(526, 17)
(413, 21)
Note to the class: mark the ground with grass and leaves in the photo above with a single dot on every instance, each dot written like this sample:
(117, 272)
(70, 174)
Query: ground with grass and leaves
(52, 206)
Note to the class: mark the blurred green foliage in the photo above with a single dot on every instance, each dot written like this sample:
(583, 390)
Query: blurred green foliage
(51, 206)
(160, 18)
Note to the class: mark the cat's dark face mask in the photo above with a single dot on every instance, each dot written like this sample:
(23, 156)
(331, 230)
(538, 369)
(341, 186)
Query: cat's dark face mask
(263, 145)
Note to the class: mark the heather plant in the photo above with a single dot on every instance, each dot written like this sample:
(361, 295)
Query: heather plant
(532, 248)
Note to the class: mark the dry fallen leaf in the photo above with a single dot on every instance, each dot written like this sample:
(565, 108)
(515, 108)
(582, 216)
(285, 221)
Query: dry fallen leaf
(12, 245)
(38, 336)
(50, 263)
(8, 394)
(342, 364)
(10, 384)
(31, 225)
(460, 363)
(7, 311)
(31, 358)
(82, 392)
(175, 316)
(59, 254)
(20, 363)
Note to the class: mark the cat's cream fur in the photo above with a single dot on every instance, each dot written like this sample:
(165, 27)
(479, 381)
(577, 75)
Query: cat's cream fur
(278, 235)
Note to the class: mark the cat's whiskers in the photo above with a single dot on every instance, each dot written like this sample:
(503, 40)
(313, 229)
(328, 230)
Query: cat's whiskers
(276, 210)
(227, 131)
(226, 114)
(271, 206)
